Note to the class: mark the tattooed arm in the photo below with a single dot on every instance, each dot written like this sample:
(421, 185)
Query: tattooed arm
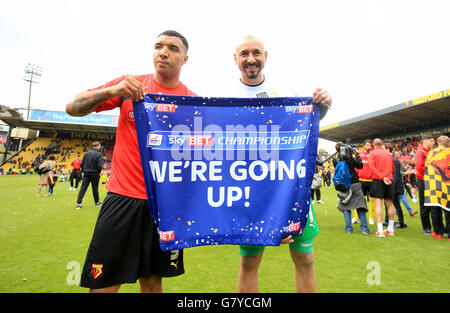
(86, 102)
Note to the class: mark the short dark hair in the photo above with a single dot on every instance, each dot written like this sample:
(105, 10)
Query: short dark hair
(367, 141)
(389, 146)
(426, 136)
(173, 33)
(338, 145)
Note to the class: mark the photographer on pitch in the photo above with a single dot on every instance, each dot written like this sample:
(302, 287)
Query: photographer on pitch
(349, 154)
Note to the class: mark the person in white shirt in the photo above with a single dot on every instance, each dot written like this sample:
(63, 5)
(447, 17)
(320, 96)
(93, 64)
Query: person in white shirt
(250, 57)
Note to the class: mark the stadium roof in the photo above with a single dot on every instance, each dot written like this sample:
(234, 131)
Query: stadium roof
(59, 121)
(432, 111)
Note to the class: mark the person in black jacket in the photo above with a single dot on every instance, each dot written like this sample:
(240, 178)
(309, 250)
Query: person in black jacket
(398, 189)
(91, 167)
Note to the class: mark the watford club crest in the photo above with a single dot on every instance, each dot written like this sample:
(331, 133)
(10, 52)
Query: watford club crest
(96, 270)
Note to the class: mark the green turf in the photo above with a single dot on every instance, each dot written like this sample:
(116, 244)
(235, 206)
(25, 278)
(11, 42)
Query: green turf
(43, 240)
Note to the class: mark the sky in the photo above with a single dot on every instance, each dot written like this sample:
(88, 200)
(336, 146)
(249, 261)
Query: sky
(368, 55)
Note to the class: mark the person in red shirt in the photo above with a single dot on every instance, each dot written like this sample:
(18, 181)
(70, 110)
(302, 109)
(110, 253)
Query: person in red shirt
(75, 174)
(125, 244)
(365, 177)
(420, 157)
(381, 164)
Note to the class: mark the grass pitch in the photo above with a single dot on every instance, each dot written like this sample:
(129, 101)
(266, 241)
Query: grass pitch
(43, 243)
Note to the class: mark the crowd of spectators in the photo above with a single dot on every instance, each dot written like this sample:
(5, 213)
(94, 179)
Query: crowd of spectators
(409, 177)
(28, 159)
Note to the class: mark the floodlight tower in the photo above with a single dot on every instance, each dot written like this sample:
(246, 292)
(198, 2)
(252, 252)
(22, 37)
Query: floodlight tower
(32, 74)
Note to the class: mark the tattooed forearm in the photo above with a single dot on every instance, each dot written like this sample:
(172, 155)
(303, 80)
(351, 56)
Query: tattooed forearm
(85, 103)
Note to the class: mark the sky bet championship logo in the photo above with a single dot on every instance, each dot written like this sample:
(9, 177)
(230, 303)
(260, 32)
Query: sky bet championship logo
(160, 107)
(228, 140)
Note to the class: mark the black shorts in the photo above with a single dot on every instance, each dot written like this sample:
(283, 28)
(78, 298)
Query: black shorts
(125, 246)
(365, 186)
(413, 180)
(378, 189)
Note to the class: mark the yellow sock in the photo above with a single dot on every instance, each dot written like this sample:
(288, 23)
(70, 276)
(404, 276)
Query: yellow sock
(355, 215)
(371, 207)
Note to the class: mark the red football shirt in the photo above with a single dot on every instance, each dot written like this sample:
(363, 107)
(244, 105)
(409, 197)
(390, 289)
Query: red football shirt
(76, 164)
(127, 176)
(420, 157)
(364, 173)
(381, 164)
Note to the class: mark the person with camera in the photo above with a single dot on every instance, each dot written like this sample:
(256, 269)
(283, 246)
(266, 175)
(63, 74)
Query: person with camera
(357, 201)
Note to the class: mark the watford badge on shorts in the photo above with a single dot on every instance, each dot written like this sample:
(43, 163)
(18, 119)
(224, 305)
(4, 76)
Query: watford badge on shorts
(96, 270)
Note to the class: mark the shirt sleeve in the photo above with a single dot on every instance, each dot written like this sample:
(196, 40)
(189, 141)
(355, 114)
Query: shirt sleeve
(358, 162)
(323, 110)
(100, 162)
(113, 102)
(82, 162)
(420, 159)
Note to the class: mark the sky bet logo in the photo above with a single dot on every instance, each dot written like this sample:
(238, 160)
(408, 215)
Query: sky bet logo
(191, 140)
(160, 107)
(299, 108)
(167, 235)
(292, 227)
(200, 141)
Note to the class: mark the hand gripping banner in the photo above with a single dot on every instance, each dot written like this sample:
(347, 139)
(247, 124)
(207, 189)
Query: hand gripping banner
(227, 170)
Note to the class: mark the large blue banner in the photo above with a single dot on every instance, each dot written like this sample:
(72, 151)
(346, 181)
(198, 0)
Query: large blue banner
(227, 170)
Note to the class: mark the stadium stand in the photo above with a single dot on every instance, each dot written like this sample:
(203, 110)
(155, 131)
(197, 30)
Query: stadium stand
(65, 151)
(59, 134)
(428, 114)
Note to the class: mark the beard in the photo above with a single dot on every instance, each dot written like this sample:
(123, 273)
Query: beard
(252, 72)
